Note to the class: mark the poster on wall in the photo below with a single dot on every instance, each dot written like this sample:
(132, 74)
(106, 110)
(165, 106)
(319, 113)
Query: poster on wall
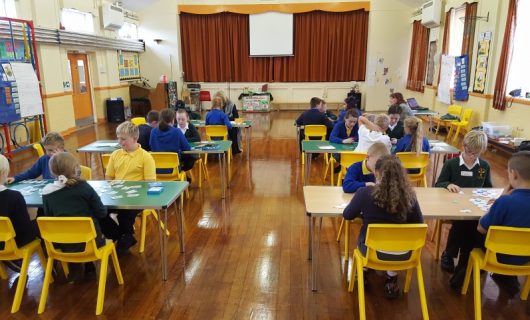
(481, 67)
(460, 87)
(446, 70)
(429, 74)
(129, 65)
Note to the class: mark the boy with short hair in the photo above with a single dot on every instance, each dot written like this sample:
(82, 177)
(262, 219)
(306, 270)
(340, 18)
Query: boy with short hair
(52, 143)
(314, 116)
(145, 129)
(361, 174)
(511, 210)
(131, 163)
(395, 129)
(465, 171)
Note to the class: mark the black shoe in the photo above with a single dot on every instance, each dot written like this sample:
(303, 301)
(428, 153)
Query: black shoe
(447, 263)
(188, 179)
(337, 169)
(509, 283)
(74, 273)
(457, 280)
(391, 287)
(126, 241)
(90, 271)
(14, 265)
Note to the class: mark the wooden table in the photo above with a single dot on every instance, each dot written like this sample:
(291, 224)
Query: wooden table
(246, 124)
(435, 203)
(507, 148)
(172, 191)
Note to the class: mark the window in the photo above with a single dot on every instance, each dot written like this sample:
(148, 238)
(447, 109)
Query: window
(128, 31)
(455, 37)
(520, 64)
(77, 21)
(7, 8)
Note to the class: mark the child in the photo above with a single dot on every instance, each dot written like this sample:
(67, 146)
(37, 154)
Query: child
(13, 206)
(390, 200)
(510, 210)
(145, 129)
(129, 163)
(216, 116)
(413, 138)
(465, 171)
(53, 143)
(351, 102)
(315, 115)
(187, 128)
(370, 133)
(234, 134)
(70, 196)
(345, 132)
(395, 129)
(361, 174)
(167, 138)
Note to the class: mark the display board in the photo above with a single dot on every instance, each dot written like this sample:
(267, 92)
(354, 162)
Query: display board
(129, 65)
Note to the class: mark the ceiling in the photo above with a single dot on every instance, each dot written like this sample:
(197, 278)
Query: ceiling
(136, 5)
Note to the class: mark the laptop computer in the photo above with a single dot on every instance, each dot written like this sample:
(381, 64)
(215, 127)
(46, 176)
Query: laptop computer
(413, 104)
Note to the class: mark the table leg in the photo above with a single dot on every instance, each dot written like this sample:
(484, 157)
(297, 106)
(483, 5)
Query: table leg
(310, 238)
(164, 236)
(308, 157)
(249, 133)
(162, 251)
(222, 175)
(179, 211)
(435, 167)
(314, 261)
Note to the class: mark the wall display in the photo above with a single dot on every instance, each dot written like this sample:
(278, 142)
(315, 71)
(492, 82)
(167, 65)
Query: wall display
(460, 91)
(429, 74)
(481, 67)
(446, 69)
(129, 65)
(7, 52)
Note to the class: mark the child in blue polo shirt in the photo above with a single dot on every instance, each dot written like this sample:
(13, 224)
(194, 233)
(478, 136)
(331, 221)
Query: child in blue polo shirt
(511, 210)
(345, 132)
(361, 174)
(413, 140)
(216, 116)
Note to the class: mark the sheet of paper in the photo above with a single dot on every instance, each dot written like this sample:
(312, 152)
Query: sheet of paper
(326, 147)
(28, 89)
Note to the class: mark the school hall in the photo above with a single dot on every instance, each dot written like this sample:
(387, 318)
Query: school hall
(254, 229)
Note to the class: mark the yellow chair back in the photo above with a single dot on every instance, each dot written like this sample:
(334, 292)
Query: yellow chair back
(138, 121)
(105, 158)
(315, 131)
(346, 160)
(38, 147)
(406, 239)
(86, 173)
(168, 161)
(70, 230)
(466, 116)
(12, 252)
(454, 110)
(216, 131)
(411, 160)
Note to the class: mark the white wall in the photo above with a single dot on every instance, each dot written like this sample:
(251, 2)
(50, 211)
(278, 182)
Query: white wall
(160, 21)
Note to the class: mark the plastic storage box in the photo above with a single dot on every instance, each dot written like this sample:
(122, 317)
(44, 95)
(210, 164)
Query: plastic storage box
(496, 130)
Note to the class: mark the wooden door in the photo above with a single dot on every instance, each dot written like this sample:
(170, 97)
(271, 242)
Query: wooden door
(81, 89)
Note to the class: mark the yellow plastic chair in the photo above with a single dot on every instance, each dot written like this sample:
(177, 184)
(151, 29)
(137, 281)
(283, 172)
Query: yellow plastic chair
(218, 131)
(138, 121)
(411, 160)
(38, 147)
(391, 238)
(12, 252)
(499, 240)
(105, 158)
(75, 230)
(316, 131)
(86, 173)
(454, 110)
(457, 125)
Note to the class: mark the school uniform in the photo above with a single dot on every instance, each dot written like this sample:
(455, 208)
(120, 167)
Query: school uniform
(190, 132)
(217, 117)
(405, 144)
(13, 206)
(313, 117)
(342, 114)
(145, 134)
(368, 137)
(41, 167)
(397, 131)
(171, 140)
(356, 177)
(341, 132)
(462, 235)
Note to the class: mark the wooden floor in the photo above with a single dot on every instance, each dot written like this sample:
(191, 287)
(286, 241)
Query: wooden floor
(246, 257)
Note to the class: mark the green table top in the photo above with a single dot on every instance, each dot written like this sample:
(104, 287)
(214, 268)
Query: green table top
(315, 146)
(438, 146)
(101, 146)
(224, 146)
(114, 194)
(244, 124)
